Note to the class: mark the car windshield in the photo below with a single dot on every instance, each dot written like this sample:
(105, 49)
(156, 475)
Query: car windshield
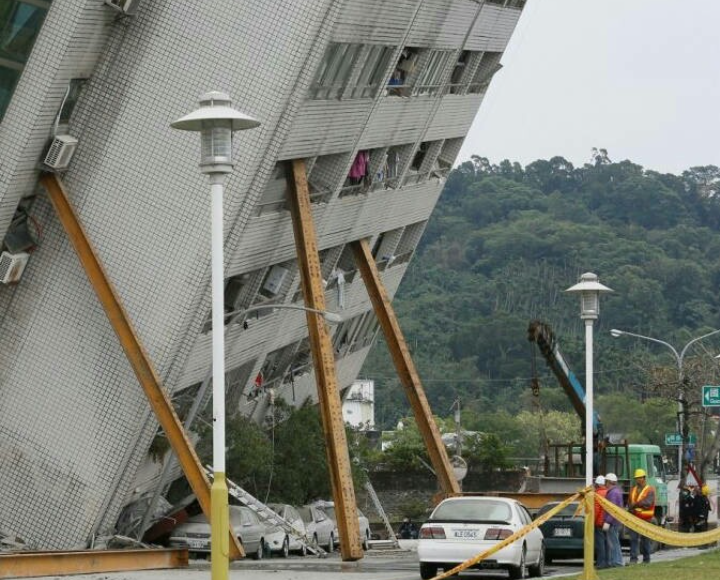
(329, 511)
(236, 518)
(305, 514)
(567, 512)
(471, 510)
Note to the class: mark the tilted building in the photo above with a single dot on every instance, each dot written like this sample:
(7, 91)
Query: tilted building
(375, 95)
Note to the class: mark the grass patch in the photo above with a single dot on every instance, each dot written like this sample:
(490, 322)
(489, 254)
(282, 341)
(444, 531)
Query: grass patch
(703, 567)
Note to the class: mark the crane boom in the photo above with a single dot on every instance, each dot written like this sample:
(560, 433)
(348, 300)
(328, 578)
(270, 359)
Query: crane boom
(541, 334)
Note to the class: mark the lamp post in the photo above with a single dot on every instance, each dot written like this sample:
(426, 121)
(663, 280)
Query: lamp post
(216, 121)
(682, 411)
(589, 289)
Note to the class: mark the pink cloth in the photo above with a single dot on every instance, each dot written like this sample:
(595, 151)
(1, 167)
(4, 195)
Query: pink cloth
(359, 166)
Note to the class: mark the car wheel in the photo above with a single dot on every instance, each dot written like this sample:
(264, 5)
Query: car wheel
(285, 550)
(538, 569)
(314, 543)
(331, 544)
(428, 571)
(258, 555)
(518, 572)
(366, 542)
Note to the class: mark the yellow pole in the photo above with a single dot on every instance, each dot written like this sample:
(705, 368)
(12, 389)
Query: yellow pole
(589, 572)
(219, 539)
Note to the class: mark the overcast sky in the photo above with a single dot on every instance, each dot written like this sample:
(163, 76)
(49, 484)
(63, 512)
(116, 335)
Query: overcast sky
(638, 77)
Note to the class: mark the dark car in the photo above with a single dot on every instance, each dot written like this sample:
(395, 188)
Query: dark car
(563, 532)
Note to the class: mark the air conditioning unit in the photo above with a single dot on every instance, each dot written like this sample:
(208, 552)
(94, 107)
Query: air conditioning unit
(12, 267)
(127, 7)
(61, 152)
(275, 279)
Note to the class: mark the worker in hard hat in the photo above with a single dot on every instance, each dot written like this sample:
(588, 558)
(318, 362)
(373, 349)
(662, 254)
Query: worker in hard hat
(641, 504)
(611, 525)
(702, 508)
(601, 559)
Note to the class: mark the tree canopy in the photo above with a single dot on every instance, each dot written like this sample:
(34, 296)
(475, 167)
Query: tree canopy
(503, 244)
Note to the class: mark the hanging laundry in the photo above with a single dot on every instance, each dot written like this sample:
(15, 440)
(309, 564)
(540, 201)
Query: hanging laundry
(359, 168)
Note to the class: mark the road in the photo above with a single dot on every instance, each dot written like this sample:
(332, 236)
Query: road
(377, 565)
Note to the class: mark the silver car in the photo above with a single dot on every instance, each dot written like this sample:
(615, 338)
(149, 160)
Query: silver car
(282, 542)
(329, 508)
(194, 534)
(320, 528)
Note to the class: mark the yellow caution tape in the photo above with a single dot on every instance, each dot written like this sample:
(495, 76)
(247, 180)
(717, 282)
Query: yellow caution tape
(506, 542)
(657, 533)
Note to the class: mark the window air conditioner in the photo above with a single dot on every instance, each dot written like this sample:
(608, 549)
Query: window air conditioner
(275, 279)
(61, 152)
(12, 267)
(127, 7)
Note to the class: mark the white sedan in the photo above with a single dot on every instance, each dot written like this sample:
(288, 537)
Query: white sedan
(462, 527)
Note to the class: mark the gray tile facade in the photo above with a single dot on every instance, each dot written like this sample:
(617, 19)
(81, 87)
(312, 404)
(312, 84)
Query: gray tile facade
(74, 425)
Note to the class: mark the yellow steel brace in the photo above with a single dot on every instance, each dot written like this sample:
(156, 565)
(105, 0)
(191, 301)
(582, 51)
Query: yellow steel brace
(324, 363)
(405, 367)
(138, 358)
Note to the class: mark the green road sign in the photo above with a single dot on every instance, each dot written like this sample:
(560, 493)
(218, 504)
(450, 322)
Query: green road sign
(676, 439)
(711, 396)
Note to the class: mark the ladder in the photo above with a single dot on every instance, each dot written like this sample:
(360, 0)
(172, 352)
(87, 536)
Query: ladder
(379, 509)
(267, 515)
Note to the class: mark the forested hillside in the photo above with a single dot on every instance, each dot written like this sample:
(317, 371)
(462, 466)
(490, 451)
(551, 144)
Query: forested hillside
(503, 244)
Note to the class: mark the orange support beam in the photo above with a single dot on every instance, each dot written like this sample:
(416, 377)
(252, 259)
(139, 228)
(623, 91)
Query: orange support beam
(405, 367)
(324, 364)
(120, 321)
(30, 564)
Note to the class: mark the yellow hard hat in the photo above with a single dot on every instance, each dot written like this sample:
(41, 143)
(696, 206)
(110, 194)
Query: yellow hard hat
(639, 473)
(706, 489)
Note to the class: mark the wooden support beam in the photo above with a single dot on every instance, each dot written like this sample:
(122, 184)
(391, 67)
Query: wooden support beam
(324, 363)
(405, 367)
(144, 370)
(31, 564)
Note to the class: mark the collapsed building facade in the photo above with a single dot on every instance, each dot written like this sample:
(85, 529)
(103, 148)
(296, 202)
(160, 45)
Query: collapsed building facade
(377, 97)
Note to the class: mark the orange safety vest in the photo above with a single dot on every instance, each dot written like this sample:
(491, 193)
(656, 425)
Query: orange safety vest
(635, 497)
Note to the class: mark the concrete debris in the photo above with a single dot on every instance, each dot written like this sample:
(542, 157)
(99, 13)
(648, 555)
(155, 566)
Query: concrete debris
(11, 542)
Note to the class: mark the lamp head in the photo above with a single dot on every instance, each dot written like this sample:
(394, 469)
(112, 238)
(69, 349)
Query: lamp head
(589, 289)
(332, 317)
(615, 333)
(215, 120)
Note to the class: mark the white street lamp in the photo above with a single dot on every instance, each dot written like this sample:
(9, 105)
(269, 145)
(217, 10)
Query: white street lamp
(679, 360)
(589, 289)
(216, 120)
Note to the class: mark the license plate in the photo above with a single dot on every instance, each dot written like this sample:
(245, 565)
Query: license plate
(562, 532)
(197, 544)
(465, 534)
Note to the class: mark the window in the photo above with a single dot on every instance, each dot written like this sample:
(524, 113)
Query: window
(373, 71)
(431, 78)
(71, 97)
(20, 23)
(404, 69)
(335, 70)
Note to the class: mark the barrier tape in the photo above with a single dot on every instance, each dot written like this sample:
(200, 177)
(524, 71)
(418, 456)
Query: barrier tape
(506, 542)
(657, 533)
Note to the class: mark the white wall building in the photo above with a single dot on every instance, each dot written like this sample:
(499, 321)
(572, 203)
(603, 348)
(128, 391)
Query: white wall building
(375, 95)
(359, 405)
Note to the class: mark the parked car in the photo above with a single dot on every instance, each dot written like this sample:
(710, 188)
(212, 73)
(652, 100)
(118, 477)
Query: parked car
(194, 534)
(329, 508)
(282, 542)
(320, 528)
(563, 532)
(462, 527)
